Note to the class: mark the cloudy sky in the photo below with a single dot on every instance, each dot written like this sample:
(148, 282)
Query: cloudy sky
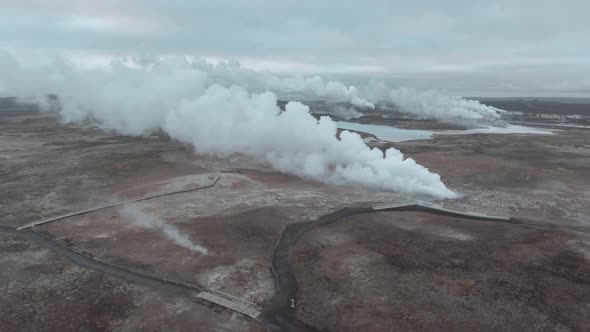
(469, 47)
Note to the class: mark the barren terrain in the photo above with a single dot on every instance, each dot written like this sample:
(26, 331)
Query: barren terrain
(374, 271)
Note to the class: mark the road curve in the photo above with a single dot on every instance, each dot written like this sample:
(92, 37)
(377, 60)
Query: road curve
(93, 263)
(172, 287)
(280, 314)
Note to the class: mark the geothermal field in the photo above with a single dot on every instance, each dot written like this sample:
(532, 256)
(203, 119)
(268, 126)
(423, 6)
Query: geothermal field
(215, 204)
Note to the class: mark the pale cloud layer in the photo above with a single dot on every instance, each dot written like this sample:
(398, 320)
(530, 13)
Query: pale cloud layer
(468, 47)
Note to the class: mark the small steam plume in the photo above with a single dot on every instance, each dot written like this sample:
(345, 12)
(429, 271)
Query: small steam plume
(207, 109)
(148, 221)
(433, 104)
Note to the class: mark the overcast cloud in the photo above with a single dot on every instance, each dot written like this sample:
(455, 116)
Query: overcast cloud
(527, 47)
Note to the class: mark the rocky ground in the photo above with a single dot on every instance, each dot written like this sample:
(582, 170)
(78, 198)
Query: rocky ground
(40, 291)
(413, 271)
(538, 177)
(380, 271)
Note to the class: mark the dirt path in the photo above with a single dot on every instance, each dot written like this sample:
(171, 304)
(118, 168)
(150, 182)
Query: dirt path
(280, 314)
(152, 281)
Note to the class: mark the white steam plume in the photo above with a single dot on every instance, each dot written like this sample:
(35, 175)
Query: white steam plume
(295, 87)
(423, 104)
(432, 104)
(146, 220)
(293, 141)
(220, 120)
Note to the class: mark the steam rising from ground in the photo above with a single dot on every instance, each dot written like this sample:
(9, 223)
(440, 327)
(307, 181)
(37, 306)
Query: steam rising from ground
(148, 221)
(434, 105)
(423, 104)
(203, 105)
(296, 87)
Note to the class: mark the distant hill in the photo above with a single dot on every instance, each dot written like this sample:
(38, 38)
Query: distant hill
(8, 102)
(566, 100)
(540, 105)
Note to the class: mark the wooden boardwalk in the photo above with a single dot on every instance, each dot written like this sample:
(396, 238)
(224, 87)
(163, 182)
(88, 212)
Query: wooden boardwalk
(231, 302)
(211, 183)
(436, 207)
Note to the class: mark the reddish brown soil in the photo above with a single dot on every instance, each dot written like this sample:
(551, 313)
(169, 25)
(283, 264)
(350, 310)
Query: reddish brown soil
(413, 271)
(43, 292)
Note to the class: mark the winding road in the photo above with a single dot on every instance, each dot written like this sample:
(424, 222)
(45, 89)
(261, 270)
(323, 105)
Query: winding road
(279, 314)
